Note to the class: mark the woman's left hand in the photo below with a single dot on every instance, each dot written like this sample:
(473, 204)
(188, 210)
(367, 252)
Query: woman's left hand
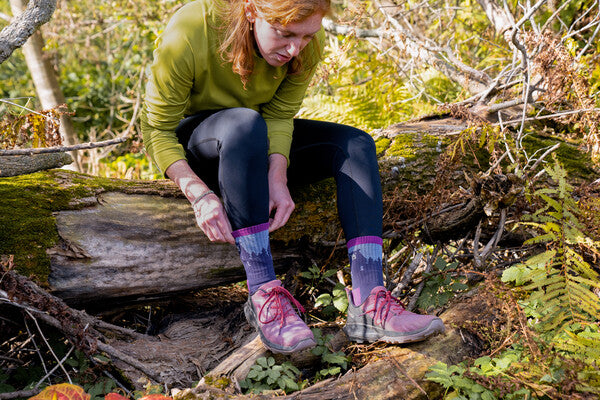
(279, 194)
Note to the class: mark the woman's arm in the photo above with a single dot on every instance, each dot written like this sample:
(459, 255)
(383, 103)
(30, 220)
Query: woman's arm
(209, 211)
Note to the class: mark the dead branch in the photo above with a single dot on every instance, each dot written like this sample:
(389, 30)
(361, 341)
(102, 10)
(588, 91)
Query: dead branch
(61, 149)
(407, 277)
(428, 52)
(19, 394)
(345, 30)
(14, 35)
(76, 325)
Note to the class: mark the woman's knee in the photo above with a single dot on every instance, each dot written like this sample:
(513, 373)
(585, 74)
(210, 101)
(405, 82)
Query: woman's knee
(359, 142)
(246, 131)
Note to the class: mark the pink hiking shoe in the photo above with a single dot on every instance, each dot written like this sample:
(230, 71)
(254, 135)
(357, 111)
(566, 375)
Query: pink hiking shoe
(281, 330)
(382, 317)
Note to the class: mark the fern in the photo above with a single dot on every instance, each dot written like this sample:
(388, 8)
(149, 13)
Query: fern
(560, 282)
(561, 305)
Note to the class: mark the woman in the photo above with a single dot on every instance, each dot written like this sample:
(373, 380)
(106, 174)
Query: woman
(227, 79)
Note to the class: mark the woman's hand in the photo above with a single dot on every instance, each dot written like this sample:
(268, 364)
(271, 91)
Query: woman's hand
(212, 219)
(209, 211)
(279, 194)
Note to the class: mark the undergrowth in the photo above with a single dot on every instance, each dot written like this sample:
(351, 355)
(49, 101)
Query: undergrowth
(554, 347)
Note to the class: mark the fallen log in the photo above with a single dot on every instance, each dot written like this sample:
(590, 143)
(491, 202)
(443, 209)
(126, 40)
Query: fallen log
(90, 239)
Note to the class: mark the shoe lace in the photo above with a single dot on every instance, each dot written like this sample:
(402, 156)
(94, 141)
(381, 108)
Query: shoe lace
(279, 300)
(384, 304)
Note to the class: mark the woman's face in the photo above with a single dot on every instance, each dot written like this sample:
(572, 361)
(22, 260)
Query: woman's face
(278, 44)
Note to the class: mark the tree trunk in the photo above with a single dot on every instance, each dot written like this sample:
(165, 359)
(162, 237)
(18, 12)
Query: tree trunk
(46, 83)
(117, 240)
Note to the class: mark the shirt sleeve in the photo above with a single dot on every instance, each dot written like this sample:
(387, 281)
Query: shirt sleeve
(167, 95)
(279, 112)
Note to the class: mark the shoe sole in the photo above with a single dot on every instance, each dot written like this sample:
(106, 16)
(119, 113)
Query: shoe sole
(301, 345)
(367, 333)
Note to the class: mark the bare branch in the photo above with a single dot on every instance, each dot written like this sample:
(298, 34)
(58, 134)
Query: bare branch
(14, 35)
(62, 149)
(539, 160)
(19, 394)
(345, 30)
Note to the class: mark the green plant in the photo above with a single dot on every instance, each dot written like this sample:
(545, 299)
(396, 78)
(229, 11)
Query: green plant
(555, 352)
(333, 362)
(315, 274)
(441, 285)
(335, 302)
(265, 374)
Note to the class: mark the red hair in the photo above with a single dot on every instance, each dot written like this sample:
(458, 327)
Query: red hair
(237, 45)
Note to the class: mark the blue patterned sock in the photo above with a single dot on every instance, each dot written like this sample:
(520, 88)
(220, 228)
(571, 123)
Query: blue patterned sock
(365, 266)
(255, 253)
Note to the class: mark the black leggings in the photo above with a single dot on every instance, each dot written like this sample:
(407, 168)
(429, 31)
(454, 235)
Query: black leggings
(228, 150)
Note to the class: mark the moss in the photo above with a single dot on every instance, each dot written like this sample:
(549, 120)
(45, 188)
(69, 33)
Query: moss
(577, 163)
(27, 224)
(382, 144)
(219, 382)
(412, 145)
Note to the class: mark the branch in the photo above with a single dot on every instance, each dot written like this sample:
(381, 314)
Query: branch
(62, 149)
(19, 394)
(439, 57)
(25, 294)
(345, 30)
(14, 35)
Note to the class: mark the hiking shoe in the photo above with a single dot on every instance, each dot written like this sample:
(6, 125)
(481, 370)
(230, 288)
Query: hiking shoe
(382, 317)
(271, 311)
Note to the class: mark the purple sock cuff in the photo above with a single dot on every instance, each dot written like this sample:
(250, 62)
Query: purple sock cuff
(364, 240)
(250, 230)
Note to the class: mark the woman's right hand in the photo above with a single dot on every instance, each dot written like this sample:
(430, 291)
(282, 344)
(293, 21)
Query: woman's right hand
(208, 209)
(212, 219)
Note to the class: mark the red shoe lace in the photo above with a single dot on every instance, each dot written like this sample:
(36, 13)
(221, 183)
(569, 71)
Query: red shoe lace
(278, 295)
(389, 304)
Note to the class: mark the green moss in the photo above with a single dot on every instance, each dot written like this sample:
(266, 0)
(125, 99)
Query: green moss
(577, 163)
(27, 204)
(412, 145)
(382, 144)
(219, 382)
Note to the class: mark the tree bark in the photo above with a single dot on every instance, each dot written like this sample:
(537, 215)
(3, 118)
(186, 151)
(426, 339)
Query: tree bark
(14, 35)
(19, 165)
(45, 81)
(138, 240)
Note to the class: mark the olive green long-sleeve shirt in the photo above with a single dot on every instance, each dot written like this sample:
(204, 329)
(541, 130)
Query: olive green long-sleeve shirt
(189, 75)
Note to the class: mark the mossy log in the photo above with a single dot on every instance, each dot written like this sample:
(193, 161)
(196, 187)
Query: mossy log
(92, 239)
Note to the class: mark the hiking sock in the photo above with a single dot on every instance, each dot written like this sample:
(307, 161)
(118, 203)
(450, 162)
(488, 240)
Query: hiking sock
(255, 252)
(365, 265)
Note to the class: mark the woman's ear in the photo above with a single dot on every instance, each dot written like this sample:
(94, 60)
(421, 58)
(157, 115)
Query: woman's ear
(249, 11)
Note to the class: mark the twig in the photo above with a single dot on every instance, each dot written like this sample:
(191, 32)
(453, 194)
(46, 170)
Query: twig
(491, 245)
(430, 260)
(345, 30)
(476, 258)
(60, 364)
(60, 149)
(19, 394)
(49, 348)
(76, 319)
(560, 114)
(557, 12)
(36, 348)
(539, 160)
(399, 368)
(407, 277)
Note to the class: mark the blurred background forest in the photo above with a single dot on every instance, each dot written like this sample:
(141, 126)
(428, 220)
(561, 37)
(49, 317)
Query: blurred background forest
(510, 70)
